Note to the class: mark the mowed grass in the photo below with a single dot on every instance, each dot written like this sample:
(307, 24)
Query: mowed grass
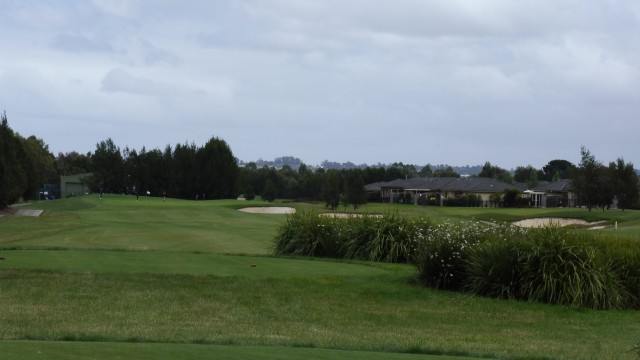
(153, 279)
(102, 351)
(156, 262)
(122, 223)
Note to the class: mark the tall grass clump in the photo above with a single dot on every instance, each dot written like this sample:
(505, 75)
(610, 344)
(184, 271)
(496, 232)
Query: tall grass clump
(388, 238)
(310, 234)
(562, 267)
(550, 265)
(444, 251)
(624, 255)
(494, 269)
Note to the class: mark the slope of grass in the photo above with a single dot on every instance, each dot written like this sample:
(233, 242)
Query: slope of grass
(121, 222)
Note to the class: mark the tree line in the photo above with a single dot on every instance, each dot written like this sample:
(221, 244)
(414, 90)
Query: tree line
(25, 164)
(211, 171)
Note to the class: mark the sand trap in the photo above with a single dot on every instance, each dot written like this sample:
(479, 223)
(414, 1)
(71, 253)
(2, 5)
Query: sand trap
(269, 210)
(542, 222)
(20, 212)
(23, 212)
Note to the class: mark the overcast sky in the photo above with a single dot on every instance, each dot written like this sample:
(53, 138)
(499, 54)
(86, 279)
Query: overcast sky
(417, 81)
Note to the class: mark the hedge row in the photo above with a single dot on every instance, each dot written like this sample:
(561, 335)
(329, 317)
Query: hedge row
(551, 265)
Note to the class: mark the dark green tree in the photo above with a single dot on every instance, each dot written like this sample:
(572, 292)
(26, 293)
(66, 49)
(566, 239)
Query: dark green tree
(331, 189)
(625, 183)
(249, 193)
(73, 163)
(184, 172)
(496, 173)
(426, 171)
(354, 192)
(269, 193)
(511, 197)
(109, 171)
(557, 170)
(403, 170)
(38, 165)
(528, 175)
(217, 170)
(447, 172)
(588, 179)
(13, 179)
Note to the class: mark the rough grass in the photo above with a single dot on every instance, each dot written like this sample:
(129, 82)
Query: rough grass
(380, 313)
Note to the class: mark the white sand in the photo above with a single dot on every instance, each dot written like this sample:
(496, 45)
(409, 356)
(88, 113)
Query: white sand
(542, 222)
(269, 210)
(23, 212)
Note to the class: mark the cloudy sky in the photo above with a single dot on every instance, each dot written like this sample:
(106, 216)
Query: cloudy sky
(418, 81)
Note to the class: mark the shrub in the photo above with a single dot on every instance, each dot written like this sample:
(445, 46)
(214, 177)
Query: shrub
(624, 255)
(444, 252)
(561, 268)
(494, 269)
(309, 234)
(550, 265)
(390, 238)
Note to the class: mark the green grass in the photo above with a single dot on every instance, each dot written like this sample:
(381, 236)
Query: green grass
(121, 222)
(103, 351)
(121, 278)
(105, 261)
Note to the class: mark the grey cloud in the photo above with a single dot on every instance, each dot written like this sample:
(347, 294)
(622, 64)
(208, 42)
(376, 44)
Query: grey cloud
(154, 55)
(77, 43)
(118, 80)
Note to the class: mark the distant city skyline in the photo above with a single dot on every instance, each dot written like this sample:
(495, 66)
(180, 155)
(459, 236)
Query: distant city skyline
(515, 83)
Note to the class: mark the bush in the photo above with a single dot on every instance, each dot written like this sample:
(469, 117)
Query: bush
(494, 269)
(467, 200)
(624, 255)
(309, 234)
(550, 265)
(390, 238)
(560, 268)
(444, 252)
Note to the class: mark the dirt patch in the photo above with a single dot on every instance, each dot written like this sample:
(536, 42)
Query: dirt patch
(269, 210)
(543, 222)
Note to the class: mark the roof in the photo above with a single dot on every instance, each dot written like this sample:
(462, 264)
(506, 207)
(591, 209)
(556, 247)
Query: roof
(446, 184)
(555, 186)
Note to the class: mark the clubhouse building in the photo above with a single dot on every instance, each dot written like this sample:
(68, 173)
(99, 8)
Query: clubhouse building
(469, 191)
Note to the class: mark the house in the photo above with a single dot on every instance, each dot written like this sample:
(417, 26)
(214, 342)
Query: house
(553, 194)
(438, 190)
(74, 185)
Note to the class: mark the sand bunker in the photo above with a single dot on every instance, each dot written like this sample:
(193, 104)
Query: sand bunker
(23, 212)
(269, 210)
(542, 222)
(20, 212)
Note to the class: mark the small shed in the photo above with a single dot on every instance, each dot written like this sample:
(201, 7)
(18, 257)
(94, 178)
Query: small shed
(74, 185)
